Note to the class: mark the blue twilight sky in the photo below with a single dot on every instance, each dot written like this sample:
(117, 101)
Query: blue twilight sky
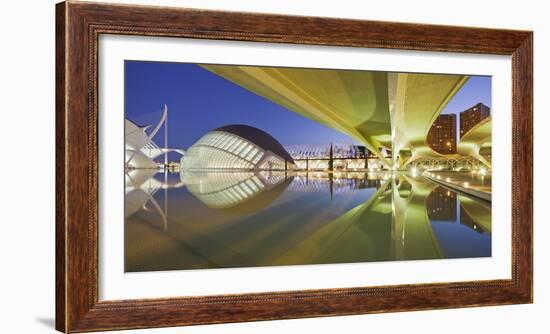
(199, 101)
(476, 89)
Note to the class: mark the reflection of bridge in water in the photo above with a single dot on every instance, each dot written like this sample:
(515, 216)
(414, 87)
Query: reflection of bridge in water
(397, 220)
(334, 182)
(394, 224)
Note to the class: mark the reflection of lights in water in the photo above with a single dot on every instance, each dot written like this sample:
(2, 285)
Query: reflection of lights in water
(401, 206)
(229, 189)
(339, 182)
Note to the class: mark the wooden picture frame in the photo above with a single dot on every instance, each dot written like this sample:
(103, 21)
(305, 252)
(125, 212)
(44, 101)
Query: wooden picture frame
(78, 26)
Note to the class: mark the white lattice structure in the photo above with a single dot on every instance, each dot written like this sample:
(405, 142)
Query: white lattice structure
(140, 148)
(236, 147)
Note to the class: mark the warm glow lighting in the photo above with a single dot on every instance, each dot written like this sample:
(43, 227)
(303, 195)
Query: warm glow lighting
(466, 184)
(448, 179)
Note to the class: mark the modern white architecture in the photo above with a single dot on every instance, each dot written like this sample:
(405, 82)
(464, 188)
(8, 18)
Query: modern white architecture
(237, 147)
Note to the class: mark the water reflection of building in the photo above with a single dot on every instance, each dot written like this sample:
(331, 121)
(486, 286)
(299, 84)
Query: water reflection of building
(277, 225)
(334, 182)
(237, 147)
(441, 205)
(140, 190)
(230, 189)
(466, 219)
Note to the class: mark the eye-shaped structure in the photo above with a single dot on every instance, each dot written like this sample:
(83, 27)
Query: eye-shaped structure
(237, 147)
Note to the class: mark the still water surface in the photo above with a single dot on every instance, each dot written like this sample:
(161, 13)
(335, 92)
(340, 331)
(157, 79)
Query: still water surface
(223, 220)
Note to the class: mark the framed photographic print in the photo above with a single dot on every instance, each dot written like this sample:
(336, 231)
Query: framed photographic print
(222, 166)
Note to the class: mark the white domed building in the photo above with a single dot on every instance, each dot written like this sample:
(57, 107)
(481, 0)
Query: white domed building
(237, 147)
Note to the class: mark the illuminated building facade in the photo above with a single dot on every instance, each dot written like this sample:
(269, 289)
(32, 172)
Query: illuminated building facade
(472, 116)
(335, 156)
(442, 135)
(237, 147)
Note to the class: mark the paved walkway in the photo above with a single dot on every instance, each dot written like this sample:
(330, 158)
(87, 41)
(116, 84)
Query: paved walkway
(474, 183)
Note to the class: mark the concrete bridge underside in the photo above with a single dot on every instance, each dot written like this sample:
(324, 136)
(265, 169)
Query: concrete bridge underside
(378, 109)
(476, 140)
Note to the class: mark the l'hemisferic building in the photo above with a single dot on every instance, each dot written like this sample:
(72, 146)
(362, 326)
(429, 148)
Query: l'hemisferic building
(237, 147)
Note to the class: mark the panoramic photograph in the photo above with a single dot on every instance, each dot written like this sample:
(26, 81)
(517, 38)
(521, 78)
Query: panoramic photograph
(230, 166)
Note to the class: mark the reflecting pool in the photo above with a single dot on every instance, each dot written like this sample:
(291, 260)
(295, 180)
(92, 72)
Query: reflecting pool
(196, 220)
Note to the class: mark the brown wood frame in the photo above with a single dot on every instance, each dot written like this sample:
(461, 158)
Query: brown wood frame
(78, 25)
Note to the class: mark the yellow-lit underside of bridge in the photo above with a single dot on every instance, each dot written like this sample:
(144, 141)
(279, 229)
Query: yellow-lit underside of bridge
(472, 142)
(378, 109)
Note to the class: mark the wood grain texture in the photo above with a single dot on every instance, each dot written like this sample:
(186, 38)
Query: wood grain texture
(78, 27)
(60, 180)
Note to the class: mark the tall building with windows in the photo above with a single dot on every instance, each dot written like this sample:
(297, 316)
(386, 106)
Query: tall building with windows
(237, 147)
(472, 116)
(442, 134)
